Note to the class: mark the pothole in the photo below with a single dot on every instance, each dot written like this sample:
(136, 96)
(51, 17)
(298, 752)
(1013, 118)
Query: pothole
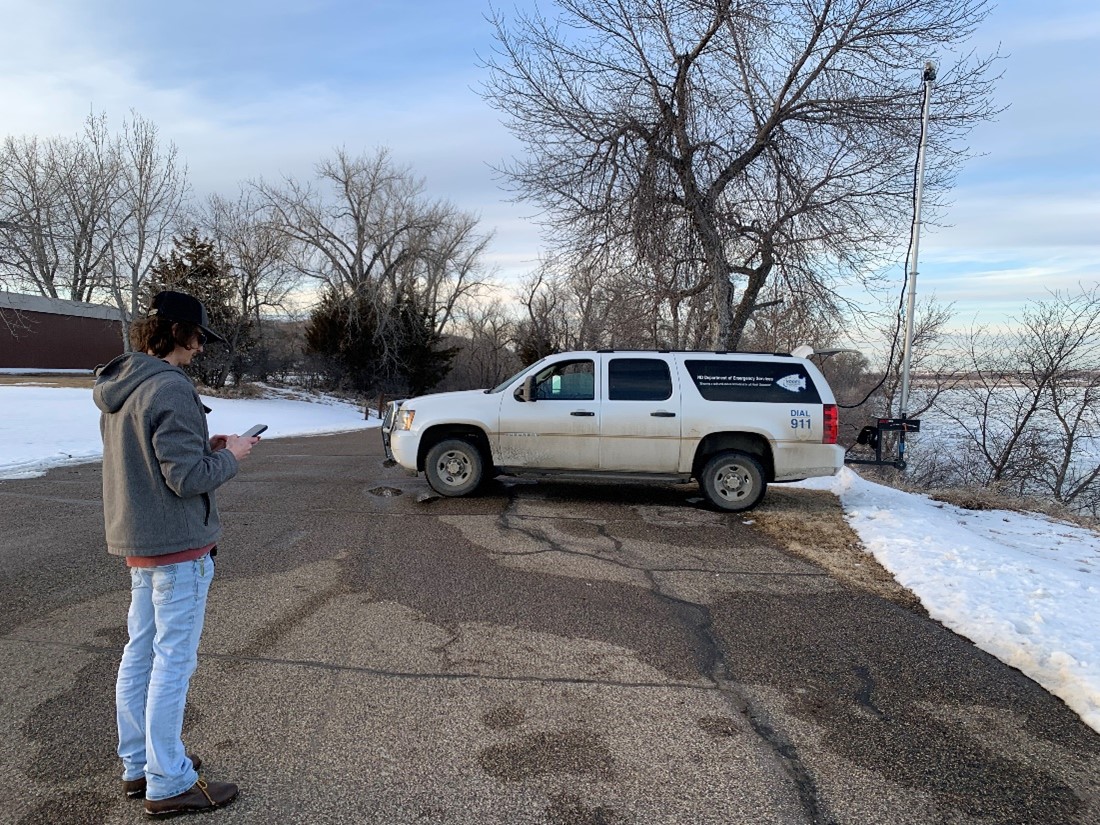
(385, 492)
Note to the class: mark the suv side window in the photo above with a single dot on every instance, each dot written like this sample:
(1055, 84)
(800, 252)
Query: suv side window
(566, 381)
(767, 381)
(638, 379)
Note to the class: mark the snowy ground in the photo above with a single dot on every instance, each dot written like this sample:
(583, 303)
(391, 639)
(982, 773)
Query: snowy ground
(1024, 588)
(43, 427)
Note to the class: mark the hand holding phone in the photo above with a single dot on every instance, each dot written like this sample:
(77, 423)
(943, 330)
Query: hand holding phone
(252, 432)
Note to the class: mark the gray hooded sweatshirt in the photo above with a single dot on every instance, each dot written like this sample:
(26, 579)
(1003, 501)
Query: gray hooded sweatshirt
(159, 473)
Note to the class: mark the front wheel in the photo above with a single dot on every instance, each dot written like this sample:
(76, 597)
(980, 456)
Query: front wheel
(454, 467)
(733, 481)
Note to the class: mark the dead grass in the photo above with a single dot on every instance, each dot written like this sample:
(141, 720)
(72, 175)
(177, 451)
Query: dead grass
(810, 524)
(983, 498)
(46, 379)
(988, 498)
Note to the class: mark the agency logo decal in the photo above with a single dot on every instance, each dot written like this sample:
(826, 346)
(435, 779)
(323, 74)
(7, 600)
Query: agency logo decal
(792, 383)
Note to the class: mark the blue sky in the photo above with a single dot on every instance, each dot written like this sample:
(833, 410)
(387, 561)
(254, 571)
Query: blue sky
(1025, 215)
(249, 89)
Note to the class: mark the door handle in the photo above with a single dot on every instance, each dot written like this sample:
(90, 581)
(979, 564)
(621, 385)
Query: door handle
(582, 413)
(663, 414)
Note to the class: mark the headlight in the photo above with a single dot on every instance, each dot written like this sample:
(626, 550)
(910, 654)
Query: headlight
(405, 419)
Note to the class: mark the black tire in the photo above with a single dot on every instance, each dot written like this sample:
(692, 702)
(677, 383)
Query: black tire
(733, 481)
(454, 467)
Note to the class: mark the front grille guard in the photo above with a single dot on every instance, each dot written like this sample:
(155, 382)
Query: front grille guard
(389, 418)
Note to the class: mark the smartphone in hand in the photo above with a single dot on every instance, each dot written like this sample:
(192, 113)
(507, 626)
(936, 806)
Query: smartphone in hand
(254, 431)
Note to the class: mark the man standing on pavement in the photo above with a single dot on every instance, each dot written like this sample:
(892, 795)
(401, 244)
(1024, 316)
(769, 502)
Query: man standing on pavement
(160, 471)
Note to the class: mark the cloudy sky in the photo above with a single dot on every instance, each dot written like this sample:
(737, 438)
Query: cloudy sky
(248, 89)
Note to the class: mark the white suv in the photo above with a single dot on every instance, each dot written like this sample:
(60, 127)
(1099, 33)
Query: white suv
(733, 421)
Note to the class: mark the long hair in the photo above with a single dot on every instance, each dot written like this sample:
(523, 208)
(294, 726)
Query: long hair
(159, 336)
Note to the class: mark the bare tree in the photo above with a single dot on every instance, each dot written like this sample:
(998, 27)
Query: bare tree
(256, 254)
(29, 200)
(57, 197)
(722, 141)
(366, 230)
(1029, 408)
(783, 320)
(152, 194)
(484, 335)
(589, 303)
(1065, 356)
(85, 218)
(249, 240)
(446, 266)
(933, 363)
(353, 225)
(866, 393)
(544, 327)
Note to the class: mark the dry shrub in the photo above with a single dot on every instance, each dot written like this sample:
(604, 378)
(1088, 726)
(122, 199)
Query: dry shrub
(242, 390)
(810, 524)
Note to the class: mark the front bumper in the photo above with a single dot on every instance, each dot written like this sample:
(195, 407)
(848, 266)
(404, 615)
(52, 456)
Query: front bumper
(402, 448)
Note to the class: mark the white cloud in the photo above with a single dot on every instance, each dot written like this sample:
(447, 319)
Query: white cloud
(1022, 218)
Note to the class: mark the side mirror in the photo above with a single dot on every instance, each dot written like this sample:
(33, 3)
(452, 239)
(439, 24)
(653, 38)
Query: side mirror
(528, 391)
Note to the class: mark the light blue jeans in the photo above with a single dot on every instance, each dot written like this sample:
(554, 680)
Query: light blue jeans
(167, 607)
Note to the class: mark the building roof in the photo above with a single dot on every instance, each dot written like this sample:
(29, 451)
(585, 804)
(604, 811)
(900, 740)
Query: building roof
(56, 306)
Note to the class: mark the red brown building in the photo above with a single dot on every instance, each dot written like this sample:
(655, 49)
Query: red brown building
(53, 334)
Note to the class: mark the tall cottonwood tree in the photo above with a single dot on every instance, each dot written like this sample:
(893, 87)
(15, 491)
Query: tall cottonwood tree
(84, 218)
(58, 198)
(249, 240)
(398, 261)
(152, 191)
(720, 141)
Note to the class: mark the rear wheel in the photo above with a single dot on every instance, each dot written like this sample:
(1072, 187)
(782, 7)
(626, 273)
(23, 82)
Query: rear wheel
(733, 481)
(454, 467)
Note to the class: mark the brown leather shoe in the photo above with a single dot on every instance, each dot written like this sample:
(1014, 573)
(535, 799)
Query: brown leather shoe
(203, 796)
(135, 788)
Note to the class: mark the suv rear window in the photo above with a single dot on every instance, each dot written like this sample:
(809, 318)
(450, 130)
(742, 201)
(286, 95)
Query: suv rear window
(638, 379)
(771, 382)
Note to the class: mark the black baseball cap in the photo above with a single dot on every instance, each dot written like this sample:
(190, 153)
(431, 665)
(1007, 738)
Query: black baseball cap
(184, 309)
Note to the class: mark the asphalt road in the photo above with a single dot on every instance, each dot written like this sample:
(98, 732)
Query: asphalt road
(543, 653)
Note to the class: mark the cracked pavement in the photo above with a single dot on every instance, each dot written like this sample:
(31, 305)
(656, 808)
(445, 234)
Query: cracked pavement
(567, 654)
